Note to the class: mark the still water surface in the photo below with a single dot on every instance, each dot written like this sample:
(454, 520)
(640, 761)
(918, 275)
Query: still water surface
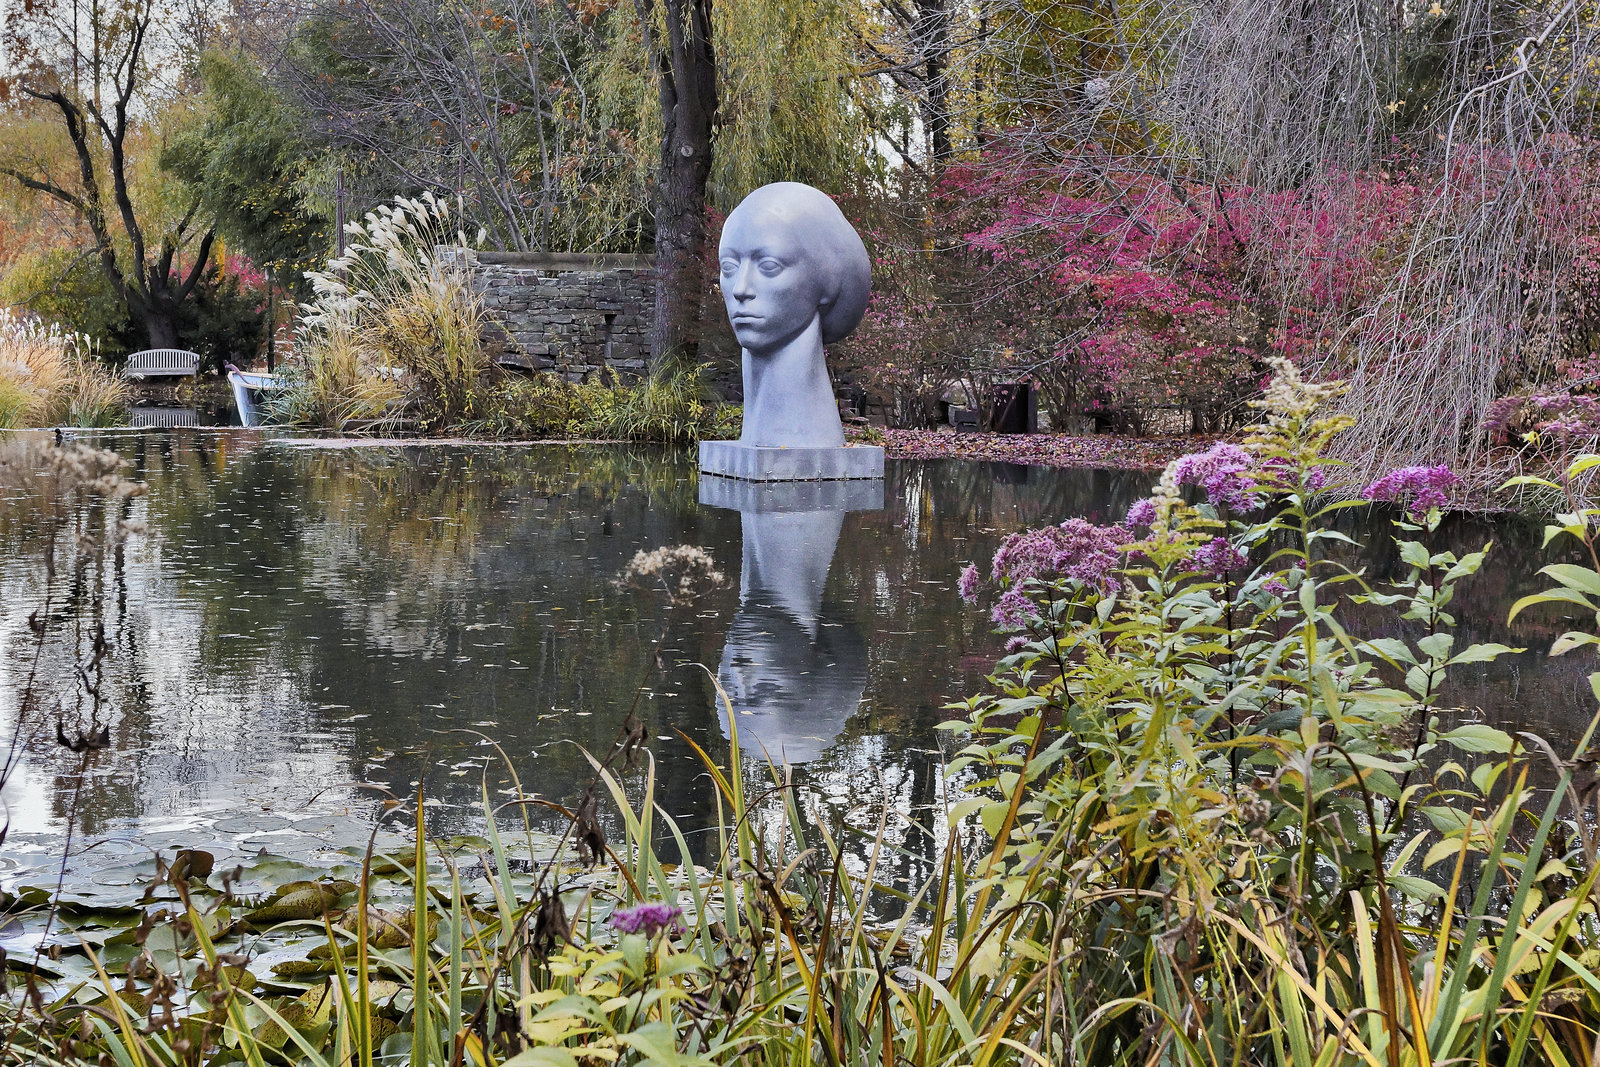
(304, 628)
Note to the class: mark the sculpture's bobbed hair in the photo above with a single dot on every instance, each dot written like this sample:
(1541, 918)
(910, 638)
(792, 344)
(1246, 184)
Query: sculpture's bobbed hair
(832, 246)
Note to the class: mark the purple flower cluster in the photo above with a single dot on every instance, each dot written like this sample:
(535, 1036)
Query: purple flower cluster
(1223, 471)
(1558, 414)
(1274, 586)
(967, 586)
(1076, 549)
(1218, 556)
(647, 919)
(1420, 488)
(1011, 610)
(1142, 513)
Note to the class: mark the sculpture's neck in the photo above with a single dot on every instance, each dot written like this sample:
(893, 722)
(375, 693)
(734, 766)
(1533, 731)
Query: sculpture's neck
(786, 561)
(788, 399)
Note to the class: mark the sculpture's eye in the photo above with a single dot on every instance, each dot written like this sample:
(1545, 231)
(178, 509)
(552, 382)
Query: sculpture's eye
(770, 266)
(728, 267)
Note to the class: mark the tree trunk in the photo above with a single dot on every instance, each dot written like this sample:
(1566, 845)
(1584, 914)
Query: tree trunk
(933, 41)
(688, 93)
(162, 330)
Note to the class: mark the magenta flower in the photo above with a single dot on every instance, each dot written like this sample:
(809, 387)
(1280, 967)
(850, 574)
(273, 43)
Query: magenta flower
(968, 584)
(1419, 488)
(1076, 549)
(647, 919)
(1142, 513)
(1274, 586)
(1218, 556)
(1223, 472)
(1011, 610)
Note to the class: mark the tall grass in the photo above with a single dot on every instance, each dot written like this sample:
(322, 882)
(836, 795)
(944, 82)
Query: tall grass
(393, 325)
(396, 330)
(52, 377)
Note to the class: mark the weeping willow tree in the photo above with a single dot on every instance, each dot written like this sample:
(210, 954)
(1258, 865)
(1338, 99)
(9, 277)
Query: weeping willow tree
(786, 70)
(711, 101)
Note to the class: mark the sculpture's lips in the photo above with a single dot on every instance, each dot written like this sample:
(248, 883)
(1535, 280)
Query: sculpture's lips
(745, 318)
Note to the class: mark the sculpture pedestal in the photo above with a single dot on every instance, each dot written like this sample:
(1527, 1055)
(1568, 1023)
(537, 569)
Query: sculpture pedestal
(752, 463)
(760, 498)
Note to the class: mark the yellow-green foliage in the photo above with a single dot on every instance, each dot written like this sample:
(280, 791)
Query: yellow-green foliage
(66, 286)
(673, 405)
(50, 377)
(784, 70)
(784, 109)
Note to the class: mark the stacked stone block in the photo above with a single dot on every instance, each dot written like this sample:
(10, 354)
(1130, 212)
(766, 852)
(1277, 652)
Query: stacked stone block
(569, 314)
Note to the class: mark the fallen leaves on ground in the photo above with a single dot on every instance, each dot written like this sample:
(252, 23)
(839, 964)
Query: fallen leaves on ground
(1045, 450)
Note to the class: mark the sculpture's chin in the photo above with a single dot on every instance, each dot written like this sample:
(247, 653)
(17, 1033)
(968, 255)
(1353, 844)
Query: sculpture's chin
(761, 340)
(759, 345)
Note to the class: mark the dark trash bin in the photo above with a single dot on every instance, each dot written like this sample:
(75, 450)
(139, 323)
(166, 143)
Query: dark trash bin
(963, 418)
(1014, 408)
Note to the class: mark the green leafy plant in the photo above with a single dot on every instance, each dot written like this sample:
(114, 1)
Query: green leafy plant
(673, 404)
(1227, 829)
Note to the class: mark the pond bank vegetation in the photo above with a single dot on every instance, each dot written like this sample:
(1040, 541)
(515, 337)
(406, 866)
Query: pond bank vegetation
(396, 335)
(51, 376)
(1195, 819)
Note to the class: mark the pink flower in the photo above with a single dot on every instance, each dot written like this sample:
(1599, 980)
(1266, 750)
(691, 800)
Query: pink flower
(967, 586)
(1420, 488)
(1011, 610)
(1142, 513)
(647, 919)
(1076, 549)
(1274, 586)
(1222, 470)
(1219, 556)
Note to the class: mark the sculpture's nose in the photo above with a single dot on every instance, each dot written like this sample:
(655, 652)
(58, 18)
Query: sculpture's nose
(743, 281)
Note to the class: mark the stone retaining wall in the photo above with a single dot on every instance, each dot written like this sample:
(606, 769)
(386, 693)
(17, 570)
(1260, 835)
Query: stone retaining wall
(568, 313)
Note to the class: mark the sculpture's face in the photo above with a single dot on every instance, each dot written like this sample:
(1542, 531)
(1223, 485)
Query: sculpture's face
(771, 290)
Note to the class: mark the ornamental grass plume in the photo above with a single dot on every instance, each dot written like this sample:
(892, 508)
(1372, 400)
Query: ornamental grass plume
(54, 377)
(393, 309)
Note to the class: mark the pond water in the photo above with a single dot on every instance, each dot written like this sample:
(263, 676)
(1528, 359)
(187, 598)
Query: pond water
(304, 628)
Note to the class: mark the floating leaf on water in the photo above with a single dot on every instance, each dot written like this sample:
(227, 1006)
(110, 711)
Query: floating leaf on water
(192, 863)
(300, 900)
(299, 968)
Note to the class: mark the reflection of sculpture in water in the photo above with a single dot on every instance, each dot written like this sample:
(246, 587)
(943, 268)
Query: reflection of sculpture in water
(793, 674)
(794, 276)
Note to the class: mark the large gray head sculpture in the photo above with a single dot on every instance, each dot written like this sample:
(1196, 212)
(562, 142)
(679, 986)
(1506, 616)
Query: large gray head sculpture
(795, 276)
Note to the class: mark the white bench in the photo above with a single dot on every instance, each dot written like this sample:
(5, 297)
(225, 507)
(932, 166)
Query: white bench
(163, 363)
